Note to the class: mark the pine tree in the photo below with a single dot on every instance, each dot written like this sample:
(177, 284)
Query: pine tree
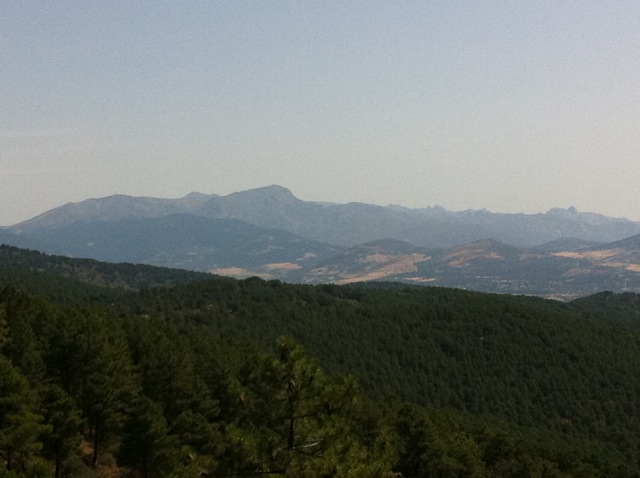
(63, 437)
(108, 382)
(20, 425)
(146, 444)
(298, 422)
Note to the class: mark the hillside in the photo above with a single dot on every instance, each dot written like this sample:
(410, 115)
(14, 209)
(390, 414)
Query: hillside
(455, 382)
(83, 280)
(563, 269)
(184, 241)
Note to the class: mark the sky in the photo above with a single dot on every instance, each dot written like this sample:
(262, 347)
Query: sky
(512, 106)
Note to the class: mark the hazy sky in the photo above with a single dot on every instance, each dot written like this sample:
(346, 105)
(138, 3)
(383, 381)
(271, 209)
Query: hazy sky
(513, 106)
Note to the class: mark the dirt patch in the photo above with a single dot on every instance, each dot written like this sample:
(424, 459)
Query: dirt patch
(593, 255)
(393, 266)
(239, 273)
(421, 280)
(463, 259)
(286, 266)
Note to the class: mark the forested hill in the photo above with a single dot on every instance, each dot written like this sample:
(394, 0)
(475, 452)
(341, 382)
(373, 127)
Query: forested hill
(526, 359)
(67, 279)
(261, 378)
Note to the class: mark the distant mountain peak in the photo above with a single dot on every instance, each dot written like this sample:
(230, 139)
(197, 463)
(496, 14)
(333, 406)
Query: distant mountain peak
(558, 211)
(272, 191)
(196, 195)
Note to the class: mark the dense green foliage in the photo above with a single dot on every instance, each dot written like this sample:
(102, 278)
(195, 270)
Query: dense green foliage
(170, 404)
(185, 380)
(15, 261)
(528, 360)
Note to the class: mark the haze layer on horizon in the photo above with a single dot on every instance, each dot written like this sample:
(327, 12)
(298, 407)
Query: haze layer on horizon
(510, 106)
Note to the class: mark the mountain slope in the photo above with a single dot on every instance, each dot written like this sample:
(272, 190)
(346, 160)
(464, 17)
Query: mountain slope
(355, 223)
(110, 208)
(183, 241)
(386, 259)
(350, 224)
(552, 271)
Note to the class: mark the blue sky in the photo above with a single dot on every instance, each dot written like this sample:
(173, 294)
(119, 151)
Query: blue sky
(513, 106)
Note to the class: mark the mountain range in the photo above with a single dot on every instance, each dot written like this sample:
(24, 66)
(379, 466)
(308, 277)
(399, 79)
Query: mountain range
(269, 232)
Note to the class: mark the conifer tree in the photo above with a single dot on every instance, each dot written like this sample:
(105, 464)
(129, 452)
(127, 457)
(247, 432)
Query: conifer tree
(20, 425)
(297, 421)
(146, 444)
(62, 439)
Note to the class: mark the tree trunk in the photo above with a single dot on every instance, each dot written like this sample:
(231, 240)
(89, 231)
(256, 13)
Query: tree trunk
(290, 438)
(95, 447)
(57, 472)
